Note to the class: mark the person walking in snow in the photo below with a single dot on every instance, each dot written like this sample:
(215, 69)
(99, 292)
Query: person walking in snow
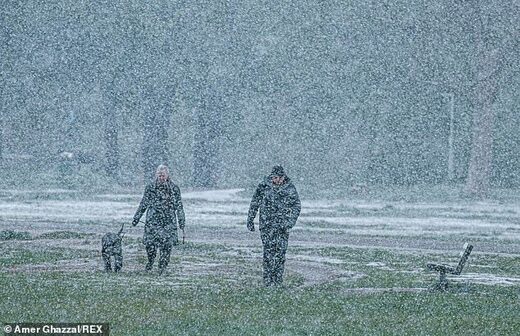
(280, 207)
(163, 205)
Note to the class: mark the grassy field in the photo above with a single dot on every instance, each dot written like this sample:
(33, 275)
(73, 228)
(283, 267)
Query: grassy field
(362, 273)
(378, 303)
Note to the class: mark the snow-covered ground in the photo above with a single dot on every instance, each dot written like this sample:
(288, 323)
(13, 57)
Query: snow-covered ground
(219, 216)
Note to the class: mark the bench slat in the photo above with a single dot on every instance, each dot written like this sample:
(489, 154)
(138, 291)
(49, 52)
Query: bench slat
(465, 254)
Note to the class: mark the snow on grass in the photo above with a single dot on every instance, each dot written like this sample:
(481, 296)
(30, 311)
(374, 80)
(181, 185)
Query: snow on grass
(215, 195)
(219, 216)
(487, 279)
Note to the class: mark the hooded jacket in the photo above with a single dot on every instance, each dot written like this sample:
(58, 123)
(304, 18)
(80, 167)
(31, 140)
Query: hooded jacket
(279, 205)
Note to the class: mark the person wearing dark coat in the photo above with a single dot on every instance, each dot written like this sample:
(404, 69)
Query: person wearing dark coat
(280, 206)
(163, 205)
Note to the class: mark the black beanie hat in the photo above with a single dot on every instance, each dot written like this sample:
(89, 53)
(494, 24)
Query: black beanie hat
(277, 171)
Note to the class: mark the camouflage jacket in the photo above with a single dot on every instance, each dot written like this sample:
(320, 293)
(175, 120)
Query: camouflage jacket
(279, 205)
(164, 210)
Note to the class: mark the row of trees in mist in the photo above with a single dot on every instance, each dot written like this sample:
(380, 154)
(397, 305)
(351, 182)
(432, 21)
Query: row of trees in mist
(378, 92)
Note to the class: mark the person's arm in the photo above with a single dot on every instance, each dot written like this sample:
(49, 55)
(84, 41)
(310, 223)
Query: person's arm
(253, 207)
(295, 208)
(179, 209)
(143, 205)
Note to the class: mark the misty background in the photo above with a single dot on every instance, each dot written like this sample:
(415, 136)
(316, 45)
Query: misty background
(345, 95)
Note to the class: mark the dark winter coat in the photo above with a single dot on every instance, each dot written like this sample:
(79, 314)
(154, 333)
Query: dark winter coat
(163, 205)
(279, 205)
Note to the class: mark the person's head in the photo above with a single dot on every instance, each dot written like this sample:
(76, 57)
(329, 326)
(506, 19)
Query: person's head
(162, 173)
(277, 175)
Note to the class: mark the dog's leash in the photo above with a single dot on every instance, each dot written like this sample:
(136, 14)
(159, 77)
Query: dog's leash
(120, 233)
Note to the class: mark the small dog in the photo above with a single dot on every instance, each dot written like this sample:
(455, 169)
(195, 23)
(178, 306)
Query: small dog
(111, 247)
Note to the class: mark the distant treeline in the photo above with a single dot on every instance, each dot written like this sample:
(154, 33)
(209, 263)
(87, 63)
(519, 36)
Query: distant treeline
(341, 93)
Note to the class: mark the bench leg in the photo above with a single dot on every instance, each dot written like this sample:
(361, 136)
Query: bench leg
(443, 282)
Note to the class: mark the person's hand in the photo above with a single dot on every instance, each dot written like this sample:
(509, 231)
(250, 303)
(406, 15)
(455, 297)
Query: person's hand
(251, 226)
(135, 221)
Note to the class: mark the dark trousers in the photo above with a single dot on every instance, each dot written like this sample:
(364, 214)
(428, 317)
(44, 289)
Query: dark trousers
(164, 243)
(275, 241)
(162, 240)
(165, 250)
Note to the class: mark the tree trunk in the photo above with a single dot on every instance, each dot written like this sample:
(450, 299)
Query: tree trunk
(1, 142)
(479, 172)
(206, 143)
(111, 141)
(486, 89)
(156, 125)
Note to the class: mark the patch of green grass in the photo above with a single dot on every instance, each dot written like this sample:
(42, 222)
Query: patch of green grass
(63, 235)
(215, 307)
(389, 268)
(496, 264)
(439, 213)
(232, 301)
(442, 193)
(14, 235)
(364, 256)
(11, 256)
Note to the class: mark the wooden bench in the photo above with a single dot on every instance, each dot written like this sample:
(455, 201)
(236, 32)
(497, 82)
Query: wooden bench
(446, 269)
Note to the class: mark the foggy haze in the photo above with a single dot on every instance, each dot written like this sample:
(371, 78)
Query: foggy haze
(97, 93)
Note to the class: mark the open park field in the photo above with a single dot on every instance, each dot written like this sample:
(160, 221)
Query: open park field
(354, 267)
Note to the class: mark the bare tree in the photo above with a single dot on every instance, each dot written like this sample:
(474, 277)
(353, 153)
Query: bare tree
(206, 146)
(155, 138)
(490, 62)
(213, 87)
(111, 140)
(1, 143)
